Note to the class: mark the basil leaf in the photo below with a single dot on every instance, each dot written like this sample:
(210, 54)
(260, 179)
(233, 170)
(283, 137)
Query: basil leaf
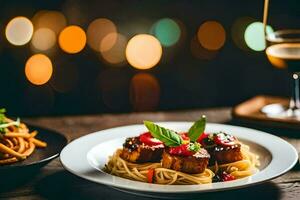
(168, 137)
(197, 129)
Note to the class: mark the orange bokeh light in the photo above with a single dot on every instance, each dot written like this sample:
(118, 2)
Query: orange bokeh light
(211, 35)
(38, 69)
(144, 92)
(143, 51)
(72, 39)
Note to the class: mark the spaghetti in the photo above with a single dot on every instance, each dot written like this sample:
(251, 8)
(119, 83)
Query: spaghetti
(119, 167)
(242, 168)
(239, 169)
(16, 141)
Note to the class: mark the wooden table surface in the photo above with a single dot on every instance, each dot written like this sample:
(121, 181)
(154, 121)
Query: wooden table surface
(53, 182)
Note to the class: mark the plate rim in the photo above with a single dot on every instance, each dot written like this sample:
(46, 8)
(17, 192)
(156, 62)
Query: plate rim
(31, 126)
(138, 190)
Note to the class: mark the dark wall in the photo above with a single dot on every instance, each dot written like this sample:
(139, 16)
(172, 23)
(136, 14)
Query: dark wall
(231, 77)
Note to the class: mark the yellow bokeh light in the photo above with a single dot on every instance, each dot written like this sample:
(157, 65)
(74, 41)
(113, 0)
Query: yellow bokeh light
(211, 35)
(116, 54)
(43, 39)
(97, 30)
(72, 39)
(53, 20)
(19, 31)
(143, 51)
(38, 69)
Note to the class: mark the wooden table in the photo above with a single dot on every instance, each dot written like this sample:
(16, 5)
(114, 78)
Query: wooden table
(53, 182)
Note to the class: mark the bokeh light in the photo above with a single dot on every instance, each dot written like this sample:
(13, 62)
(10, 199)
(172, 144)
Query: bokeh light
(19, 31)
(200, 52)
(238, 30)
(108, 42)
(167, 31)
(72, 39)
(116, 55)
(211, 35)
(255, 37)
(143, 51)
(38, 69)
(144, 92)
(53, 20)
(97, 30)
(43, 39)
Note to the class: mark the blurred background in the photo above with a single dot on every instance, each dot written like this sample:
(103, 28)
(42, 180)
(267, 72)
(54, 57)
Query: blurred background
(61, 57)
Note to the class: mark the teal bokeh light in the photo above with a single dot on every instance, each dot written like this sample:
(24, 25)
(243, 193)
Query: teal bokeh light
(167, 31)
(255, 36)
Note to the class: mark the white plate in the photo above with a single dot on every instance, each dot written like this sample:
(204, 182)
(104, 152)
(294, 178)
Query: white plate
(86, 156)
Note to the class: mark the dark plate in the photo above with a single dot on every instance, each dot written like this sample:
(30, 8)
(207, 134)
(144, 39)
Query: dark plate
(39, 158)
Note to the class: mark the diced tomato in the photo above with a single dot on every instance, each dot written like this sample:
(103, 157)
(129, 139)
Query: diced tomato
(147, 139)
(224, 139)
(182, 150)
(184, 136)
(150, 175)
(227, 177)
(202, 137)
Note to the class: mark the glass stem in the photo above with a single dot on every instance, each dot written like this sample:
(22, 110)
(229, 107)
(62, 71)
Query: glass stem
(295, 99)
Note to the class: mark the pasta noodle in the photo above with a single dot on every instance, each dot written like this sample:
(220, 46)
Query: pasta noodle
(242, 168)
(239, 169)
(119, 167)
(16, 142)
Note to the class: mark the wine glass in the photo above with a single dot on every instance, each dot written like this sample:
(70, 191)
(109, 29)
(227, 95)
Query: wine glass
(283, 51)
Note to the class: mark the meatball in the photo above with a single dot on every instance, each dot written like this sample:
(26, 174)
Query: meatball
(137, 152)
(193, 164)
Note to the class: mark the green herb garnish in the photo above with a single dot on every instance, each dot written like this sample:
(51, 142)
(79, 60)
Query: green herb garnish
(194, 147)
(169, 137)
(4, 124)
(2, 115)
(14, 123)
(197, 129)
(2, 119)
